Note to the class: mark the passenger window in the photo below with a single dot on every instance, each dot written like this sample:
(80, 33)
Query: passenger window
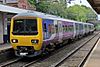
(45, 30)
(56, 26)
(66, 28)
(50, 28)
(63, 28)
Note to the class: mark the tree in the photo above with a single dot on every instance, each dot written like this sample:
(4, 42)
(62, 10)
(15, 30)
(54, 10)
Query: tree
(59, 8)
(51, 7)
(32, 2)
(80, 13)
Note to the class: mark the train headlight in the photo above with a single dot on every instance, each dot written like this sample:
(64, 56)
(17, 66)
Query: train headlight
(34, 41)
(14, 41)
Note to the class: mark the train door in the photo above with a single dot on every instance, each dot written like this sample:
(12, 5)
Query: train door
(80, 29)
(60, 29)
(47, 28)
(74, 30)
(83, 30)
(56, 26)
(45, 33)
(77, 29)
(56, 30)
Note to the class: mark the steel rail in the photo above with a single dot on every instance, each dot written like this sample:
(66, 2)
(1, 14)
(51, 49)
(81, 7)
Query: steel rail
(70, 54)
(86, 57)
(11, 62)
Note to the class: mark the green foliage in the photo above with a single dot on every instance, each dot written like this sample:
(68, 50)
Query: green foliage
(43, 7)
(80, 13)
(32, 2)
(57, 9)
(76, 12)
(54, 8)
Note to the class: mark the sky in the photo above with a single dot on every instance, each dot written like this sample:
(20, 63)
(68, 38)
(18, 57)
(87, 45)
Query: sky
(83, 2)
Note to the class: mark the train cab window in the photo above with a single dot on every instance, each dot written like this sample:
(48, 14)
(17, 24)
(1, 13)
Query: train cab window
(18, 25)
(31, 25)
(25, 27)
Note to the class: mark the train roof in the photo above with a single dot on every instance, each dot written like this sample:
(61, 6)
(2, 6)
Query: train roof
(43, 15)
(36, 14)
(46, 16)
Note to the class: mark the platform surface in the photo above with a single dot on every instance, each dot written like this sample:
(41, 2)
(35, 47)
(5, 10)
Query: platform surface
(5, 46)
(94, 58)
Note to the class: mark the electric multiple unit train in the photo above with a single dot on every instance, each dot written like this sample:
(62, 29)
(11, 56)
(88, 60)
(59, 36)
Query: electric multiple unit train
(31, 34)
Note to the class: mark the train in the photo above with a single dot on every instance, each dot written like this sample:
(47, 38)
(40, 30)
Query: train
(32, 34)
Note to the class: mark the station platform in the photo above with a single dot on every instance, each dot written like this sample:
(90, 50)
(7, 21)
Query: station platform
(6, 52)
(5, 46)
(94, 58)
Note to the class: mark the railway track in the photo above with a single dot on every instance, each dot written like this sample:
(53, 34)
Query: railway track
(8, 63)
(19, 62)
(78, 57)
(55, 59)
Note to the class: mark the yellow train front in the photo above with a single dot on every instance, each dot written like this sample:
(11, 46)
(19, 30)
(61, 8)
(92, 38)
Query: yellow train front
(26, 35)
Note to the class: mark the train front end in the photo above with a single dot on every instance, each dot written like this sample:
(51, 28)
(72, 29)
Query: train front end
(26, 35)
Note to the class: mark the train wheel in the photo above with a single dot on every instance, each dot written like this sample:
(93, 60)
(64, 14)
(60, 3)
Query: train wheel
(65, 42)
(50, 47)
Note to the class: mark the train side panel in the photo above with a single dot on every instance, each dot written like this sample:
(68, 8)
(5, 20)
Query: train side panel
(68, 28)
(50, 32)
